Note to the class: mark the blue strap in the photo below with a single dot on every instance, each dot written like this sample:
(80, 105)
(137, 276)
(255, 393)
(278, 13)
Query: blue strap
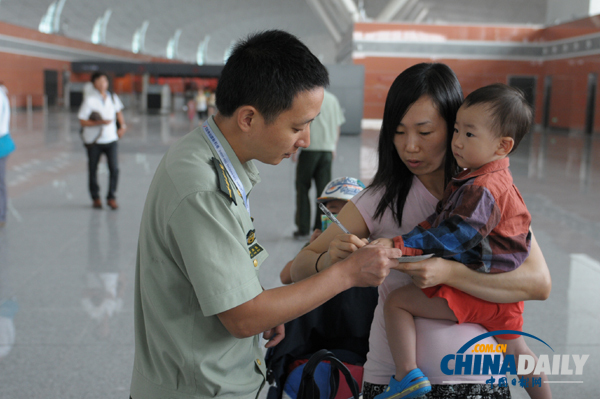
(227, 163)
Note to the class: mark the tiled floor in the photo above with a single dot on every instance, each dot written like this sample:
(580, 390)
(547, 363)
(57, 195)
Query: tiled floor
(67, 270)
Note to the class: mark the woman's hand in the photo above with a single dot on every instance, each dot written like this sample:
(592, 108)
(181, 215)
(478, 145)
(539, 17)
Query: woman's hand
(343, 245)
(305, 262)
(530, 281)
(429, 272)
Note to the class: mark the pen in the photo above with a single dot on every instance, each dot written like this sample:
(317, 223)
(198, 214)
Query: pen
(333, 218)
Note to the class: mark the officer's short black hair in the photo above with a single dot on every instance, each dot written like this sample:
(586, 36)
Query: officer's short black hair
(267, 70)
(96, 75)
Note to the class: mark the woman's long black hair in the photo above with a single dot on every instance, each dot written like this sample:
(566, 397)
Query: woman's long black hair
(438, 82)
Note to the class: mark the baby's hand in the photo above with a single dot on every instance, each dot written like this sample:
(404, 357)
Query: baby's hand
(384, 242)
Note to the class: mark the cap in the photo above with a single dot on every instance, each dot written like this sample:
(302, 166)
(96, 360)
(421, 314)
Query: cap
(342, 188)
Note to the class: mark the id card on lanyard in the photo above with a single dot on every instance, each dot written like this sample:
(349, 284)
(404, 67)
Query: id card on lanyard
(227, 163)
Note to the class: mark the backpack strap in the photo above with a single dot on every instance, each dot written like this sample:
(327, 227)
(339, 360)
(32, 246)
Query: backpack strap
(308, 388)
(112, 95)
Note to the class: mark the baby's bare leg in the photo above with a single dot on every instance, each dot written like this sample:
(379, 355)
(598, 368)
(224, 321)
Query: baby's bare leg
(400, 307)
(518, 347)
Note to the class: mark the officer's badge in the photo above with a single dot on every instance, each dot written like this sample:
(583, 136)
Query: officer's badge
(255, 250)
(225, 184)
(251, 236)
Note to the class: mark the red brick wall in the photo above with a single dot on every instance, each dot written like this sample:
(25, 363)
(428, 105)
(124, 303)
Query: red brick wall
(380, 72)
(570, 76)
(23, 75)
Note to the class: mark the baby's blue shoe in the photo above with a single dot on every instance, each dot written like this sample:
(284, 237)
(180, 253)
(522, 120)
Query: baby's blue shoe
(407, 388)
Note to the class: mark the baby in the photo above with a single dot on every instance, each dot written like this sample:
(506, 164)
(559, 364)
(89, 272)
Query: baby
(334, 196)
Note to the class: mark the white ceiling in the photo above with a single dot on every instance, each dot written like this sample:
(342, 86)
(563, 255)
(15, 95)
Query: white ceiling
(227, 20)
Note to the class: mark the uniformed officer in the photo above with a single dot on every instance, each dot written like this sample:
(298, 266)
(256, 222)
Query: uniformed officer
(199, 305)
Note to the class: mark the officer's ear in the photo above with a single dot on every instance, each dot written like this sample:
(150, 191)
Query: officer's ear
(246, 118)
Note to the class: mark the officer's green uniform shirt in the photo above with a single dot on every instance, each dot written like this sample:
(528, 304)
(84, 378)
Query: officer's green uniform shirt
(197, 257)
(324, 129)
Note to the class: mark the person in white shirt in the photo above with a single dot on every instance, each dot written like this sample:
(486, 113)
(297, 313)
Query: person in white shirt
(201, 105)
(100, 135)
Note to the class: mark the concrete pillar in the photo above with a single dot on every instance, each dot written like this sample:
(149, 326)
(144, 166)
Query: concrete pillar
(67, 95)
(144, 99)
(29, 104)
(13, 103)
(66, 84)
(165, 99)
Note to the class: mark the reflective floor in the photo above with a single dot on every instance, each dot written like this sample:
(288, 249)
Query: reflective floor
(66, 270)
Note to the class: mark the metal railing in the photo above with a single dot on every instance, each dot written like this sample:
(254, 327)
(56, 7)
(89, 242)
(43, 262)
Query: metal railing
(28, 102)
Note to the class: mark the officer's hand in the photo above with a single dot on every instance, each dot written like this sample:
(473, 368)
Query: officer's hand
(343, 245)
(274, 335)
(370, 265)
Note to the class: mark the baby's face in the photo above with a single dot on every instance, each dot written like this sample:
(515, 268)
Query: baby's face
(474, 143)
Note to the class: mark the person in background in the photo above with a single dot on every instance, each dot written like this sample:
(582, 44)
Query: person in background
(201, 105)
(314, 162)
(335, 195)
(8, 302)
(212, 103)
(98, 116)
(190, 103)
(7, 146)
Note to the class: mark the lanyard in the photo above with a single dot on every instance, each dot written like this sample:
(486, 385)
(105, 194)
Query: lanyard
(227, 163)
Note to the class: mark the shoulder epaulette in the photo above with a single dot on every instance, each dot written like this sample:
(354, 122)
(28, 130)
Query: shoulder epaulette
(226, 186)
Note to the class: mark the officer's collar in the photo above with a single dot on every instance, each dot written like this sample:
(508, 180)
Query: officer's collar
(247, 172)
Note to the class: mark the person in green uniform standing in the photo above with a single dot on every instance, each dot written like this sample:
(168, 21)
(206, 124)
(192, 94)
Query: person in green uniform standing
(199, 306)
(314, 162)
